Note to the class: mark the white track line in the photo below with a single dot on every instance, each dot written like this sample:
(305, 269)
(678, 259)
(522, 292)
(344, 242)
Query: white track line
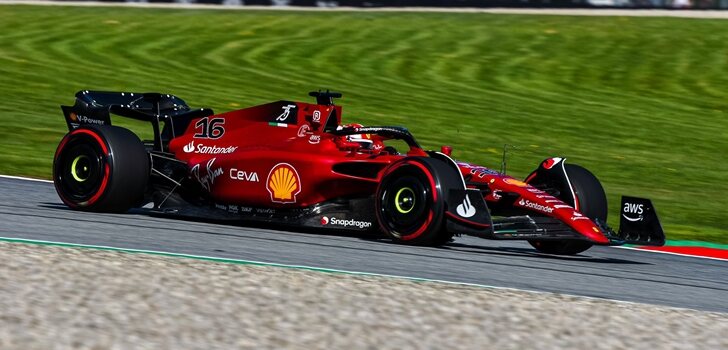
(24, 178)
(716, 14)
(621, 247)
(309, 268)
(673, 253)
(250, 262)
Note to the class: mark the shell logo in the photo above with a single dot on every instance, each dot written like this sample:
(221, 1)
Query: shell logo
(283, 183)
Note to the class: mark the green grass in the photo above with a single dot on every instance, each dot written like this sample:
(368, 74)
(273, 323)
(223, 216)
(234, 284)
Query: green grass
(640, 101)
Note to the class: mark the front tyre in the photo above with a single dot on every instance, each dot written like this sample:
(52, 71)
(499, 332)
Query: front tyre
(101, 168)
(591, 200)
(410, 201)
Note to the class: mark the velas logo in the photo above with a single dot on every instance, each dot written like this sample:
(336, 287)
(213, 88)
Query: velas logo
(535, 206)
(345, 223)
(283, 183)
(189, 147)
(549, 163)
(465, 209)
(633, 212)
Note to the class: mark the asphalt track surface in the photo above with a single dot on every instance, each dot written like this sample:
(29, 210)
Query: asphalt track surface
(32, 210)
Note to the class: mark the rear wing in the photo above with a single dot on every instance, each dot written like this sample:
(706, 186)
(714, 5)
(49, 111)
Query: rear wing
(96, 108)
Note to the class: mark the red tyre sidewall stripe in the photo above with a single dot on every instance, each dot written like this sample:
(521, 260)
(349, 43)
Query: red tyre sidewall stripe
(107, 168)
(431, 215)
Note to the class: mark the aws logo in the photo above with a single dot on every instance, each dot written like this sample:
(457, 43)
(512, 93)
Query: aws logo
(633, 212)
(283, 183)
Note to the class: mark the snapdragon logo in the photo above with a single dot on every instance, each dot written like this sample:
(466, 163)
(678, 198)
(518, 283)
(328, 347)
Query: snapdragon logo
(345, 223)
(535, 206)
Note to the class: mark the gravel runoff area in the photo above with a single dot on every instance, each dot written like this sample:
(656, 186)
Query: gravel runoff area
(715, 14)
(71, 298)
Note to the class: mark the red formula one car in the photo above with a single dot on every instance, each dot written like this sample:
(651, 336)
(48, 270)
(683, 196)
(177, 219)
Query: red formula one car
(296, 164)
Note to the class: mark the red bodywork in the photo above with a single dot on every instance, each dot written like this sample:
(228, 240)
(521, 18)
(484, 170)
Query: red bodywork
(278, 155)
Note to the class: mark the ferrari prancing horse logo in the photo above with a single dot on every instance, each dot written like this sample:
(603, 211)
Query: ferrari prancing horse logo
(283, 183)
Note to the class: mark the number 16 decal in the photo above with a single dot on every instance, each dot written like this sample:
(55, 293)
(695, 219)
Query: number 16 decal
(210, 129)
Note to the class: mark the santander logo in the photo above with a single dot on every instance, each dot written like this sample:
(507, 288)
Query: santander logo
(465, 209)
(188, 148)
(535, 206)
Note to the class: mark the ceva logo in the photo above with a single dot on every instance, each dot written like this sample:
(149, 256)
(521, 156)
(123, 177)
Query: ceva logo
(465, 209)
(243, 175)
(634, 209)
(189, 147)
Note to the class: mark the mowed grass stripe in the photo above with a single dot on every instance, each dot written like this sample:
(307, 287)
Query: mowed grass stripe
(640, 101)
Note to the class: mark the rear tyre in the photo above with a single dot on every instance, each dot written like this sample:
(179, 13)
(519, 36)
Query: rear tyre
(101, 169)
(410, 201)
(590, 201)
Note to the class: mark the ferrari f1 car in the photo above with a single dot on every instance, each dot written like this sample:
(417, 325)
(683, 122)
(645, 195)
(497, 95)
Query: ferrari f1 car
(296, 164)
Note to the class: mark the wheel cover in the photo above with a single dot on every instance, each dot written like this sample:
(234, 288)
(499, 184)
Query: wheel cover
(405, 200)
(80, 169)
(405, 204)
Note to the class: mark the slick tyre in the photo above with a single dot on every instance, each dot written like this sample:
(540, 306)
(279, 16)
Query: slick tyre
(410, 201)
(101, 169)
(590, 201)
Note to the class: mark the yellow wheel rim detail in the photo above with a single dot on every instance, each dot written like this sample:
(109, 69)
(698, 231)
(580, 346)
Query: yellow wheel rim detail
(396, 200)
(74, 171)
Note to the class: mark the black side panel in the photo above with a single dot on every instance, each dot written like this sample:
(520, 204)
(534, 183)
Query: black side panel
(467, 213)
(639, 224)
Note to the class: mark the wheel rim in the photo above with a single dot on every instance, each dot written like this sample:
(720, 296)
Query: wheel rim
(405, 200)
(80, 169)
(405, 204)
